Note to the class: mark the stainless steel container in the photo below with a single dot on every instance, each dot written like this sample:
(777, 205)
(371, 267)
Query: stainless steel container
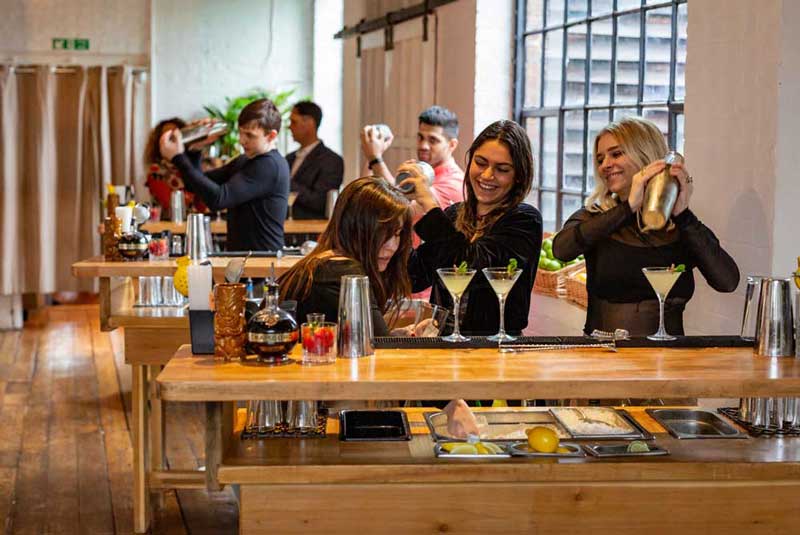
(750, 312)
(330, 202)
(660, 196)
(196, 237)
(355, 318)
(775, 321)
(197, 132)
(424, 168)
(177, 208)
(264, 416)
(301, 415)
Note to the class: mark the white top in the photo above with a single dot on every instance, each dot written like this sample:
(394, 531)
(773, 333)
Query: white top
(301, 155)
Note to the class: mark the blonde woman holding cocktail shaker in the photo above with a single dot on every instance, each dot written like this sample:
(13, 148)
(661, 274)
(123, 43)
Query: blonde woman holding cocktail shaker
(629, 154)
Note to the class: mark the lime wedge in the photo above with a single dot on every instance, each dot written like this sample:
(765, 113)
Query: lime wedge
(637, 446)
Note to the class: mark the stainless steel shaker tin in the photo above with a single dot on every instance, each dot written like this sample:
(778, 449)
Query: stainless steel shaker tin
(660, 196)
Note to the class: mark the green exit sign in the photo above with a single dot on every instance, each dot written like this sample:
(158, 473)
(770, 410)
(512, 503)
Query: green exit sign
(63, 43)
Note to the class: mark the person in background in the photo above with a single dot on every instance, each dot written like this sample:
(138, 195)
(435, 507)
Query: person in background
(254, 187)
(437, 139)
(369, 234)
(627, 154)
(315, 169)
(488, 229)
(162, 176)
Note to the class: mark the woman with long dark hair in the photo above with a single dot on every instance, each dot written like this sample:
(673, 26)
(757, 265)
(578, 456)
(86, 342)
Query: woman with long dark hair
(369, 234)
(492, 226)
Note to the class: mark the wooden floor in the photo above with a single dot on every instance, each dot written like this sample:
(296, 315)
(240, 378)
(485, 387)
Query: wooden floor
(65, 445)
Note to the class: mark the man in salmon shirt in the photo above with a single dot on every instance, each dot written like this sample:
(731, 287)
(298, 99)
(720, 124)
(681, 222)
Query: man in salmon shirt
(437, 139)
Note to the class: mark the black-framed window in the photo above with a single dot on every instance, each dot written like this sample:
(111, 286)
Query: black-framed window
(583, 63)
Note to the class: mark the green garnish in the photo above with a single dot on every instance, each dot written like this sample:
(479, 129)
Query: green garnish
(512, 266)
(680, 268)
(462, 268)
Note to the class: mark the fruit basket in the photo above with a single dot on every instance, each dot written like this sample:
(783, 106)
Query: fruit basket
(554, 283)
(575, 285)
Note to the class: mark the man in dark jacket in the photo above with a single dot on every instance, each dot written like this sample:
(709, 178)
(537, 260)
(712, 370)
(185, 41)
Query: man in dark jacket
(315, 169)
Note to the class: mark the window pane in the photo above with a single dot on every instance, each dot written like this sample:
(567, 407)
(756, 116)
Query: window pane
(553, 45)
(532, 128)
(657, 54)
(573, 151)
(627, 70)
(576, 9)
(598, 119)
(600, 7)
(535, 16)
(576, 65)
(628, 4)
(533, 73)
(660, 116)
(600, 68)
(569, 205)
(680, 54)
(548, 210)
(679, 138)
(549, 152)
(619, 113)
(555, 12)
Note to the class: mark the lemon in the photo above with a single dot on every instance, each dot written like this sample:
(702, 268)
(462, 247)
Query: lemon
(493, 448)
(481, 448)
(464, 449)
(542, 439)
(448, 446)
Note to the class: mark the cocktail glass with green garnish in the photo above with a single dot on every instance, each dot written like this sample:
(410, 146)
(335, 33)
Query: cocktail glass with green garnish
(662, 279)
(456, 280)
(502, 280)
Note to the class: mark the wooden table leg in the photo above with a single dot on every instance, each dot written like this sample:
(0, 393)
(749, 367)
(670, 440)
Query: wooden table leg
(156, 430)
(219, 427)
(140, 417)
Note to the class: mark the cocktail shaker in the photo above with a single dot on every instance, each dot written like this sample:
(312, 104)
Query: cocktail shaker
(660, 196)
(424, 168)
(775, 320)
(354, 339)
(196, 132)
(330, 202)
(177, 208)
(196, 239)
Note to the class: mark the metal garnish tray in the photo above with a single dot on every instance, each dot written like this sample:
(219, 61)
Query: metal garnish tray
(523, 449)
(439, 452)
(497, 426)
(621, 450)
(628, 426)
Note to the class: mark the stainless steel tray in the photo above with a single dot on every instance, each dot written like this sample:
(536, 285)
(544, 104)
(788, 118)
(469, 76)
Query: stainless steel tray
(498, 426)
(637, 431)
(437, 449)
(621, 450)
(523, 449)
(694, 423)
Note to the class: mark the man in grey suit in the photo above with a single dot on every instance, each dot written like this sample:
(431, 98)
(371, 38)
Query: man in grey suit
(315, 169)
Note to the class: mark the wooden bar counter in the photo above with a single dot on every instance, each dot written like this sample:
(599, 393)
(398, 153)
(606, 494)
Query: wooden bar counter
(290, 226)
(747, 485)
(151, 335)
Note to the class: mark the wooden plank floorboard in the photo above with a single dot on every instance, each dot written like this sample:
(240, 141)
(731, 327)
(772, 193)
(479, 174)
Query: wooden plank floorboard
(65, 446)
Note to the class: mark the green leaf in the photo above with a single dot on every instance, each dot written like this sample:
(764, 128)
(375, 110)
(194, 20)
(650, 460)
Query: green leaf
(680, 268)
(512, 266)
(462, 268)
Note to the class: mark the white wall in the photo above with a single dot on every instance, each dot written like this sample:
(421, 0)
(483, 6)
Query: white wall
(742, 80)
(328, 19)
(118, 30)
(205, 50)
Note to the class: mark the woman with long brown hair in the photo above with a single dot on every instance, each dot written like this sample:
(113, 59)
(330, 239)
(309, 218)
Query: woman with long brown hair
(369, 234)
(492, 226)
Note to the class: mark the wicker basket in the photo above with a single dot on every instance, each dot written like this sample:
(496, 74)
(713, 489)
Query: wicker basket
(553, 283)
(576, 289)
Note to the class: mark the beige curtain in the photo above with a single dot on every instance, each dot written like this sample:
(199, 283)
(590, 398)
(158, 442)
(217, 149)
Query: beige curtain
(66, 133)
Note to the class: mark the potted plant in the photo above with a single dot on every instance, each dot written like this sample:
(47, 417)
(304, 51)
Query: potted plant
(228, 145)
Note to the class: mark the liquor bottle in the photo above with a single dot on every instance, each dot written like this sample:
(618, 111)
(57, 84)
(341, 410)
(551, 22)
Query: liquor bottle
(272, 332)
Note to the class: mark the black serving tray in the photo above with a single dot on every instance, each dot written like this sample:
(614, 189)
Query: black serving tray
(373, 425)
(477, 342)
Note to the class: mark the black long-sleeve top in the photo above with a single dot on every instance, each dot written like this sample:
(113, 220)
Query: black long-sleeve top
(518, 234)
(255, 192)
(616, 251)
(326, 286)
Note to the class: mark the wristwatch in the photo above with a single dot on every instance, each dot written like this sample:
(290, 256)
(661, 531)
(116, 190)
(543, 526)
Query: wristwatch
(375, 161)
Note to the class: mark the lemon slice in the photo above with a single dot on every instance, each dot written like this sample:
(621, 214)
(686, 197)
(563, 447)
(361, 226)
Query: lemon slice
(637, 446)
(464, 449)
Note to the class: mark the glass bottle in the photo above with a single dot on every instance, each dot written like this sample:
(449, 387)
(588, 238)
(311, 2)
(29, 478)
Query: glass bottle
(272, 332)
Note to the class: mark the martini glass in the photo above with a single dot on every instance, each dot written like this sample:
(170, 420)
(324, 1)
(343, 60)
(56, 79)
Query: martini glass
(662, 279)
(501, 282)
(455, 282)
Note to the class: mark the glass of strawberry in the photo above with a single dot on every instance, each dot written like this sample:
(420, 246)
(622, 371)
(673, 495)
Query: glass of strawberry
(319, 342)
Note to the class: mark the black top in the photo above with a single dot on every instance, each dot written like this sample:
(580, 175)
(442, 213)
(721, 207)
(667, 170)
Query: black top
(324, 295)
(616, 251)
(322, 170)
(518, 234)
(254, 190)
